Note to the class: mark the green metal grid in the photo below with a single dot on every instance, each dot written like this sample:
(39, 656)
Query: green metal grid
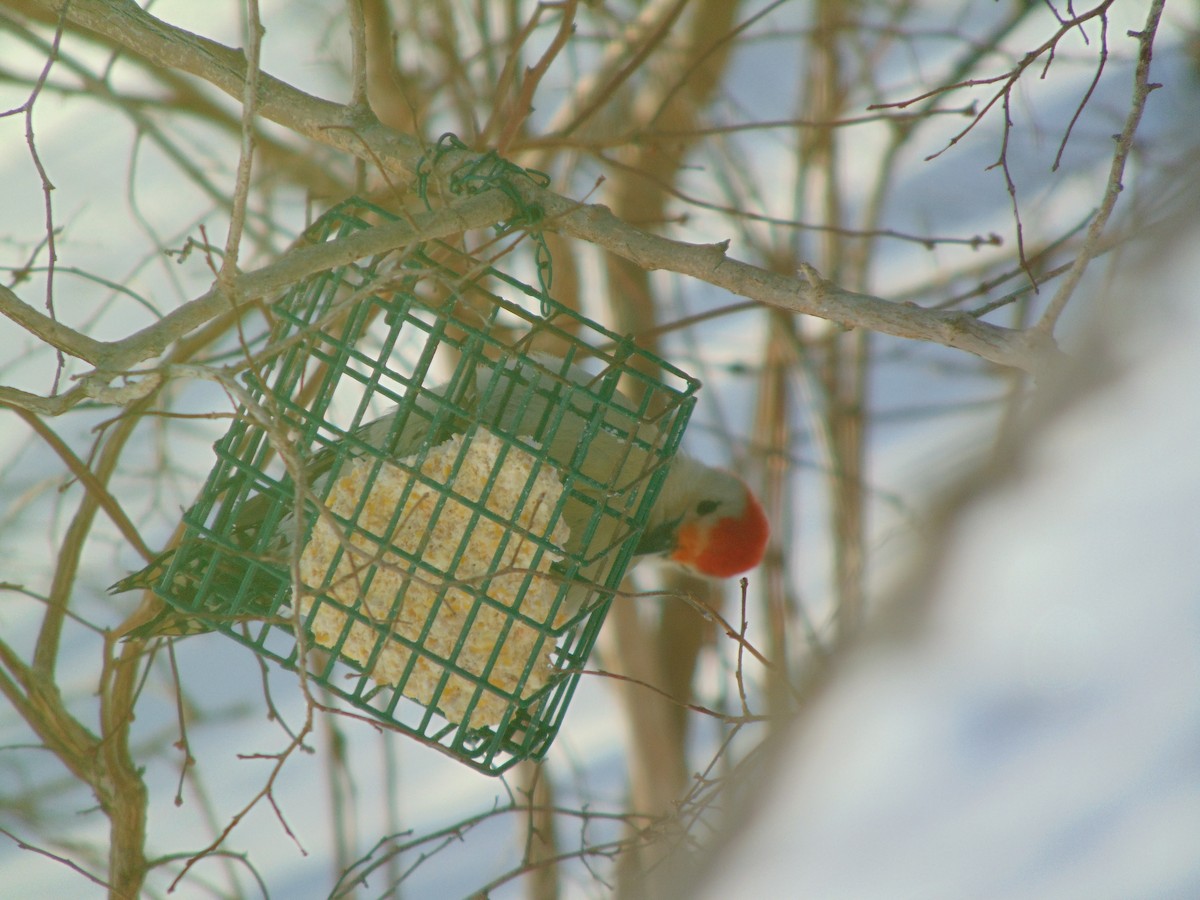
(377, 334)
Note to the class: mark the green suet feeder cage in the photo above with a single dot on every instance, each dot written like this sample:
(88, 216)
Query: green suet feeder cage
(444, 569)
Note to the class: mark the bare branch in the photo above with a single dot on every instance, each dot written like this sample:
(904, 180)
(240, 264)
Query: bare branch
(334, 124)
(54, 856)
(119, 357)
(50, 330)
(809, 294)
(80, 471)
(1142, 88)
(347, 128)
(253, 32)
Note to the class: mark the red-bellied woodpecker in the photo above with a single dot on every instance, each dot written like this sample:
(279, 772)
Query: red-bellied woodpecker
(704, 519)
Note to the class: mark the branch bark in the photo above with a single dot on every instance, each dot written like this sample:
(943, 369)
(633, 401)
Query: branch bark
(355, 130)
(115, 358)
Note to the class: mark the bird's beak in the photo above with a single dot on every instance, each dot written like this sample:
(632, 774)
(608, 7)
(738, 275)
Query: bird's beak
(659, 540)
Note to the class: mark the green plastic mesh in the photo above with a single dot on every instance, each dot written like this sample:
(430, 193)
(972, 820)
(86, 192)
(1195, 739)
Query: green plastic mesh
(446, 569)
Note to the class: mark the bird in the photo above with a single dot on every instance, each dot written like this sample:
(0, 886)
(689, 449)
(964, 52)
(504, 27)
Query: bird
(705, 520)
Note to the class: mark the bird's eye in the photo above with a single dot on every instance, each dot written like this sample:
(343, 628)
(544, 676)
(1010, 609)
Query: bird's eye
(704, 507)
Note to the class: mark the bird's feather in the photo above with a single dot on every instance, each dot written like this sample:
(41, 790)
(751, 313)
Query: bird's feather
(581, 423)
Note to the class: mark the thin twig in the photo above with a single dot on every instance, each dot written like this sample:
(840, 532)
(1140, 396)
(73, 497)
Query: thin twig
(25, 845)
(252, 34)
(1142, 88)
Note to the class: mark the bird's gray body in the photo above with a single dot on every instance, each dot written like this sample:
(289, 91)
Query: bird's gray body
(581, 425)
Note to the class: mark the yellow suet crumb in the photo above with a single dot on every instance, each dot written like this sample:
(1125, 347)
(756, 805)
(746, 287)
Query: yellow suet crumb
(404, 595)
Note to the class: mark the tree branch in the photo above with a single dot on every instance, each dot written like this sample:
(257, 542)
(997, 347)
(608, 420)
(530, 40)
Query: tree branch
(51, 331)
(360, 134)
(118, 357)
(1142, 88)
(809, 293)
(127, 25)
